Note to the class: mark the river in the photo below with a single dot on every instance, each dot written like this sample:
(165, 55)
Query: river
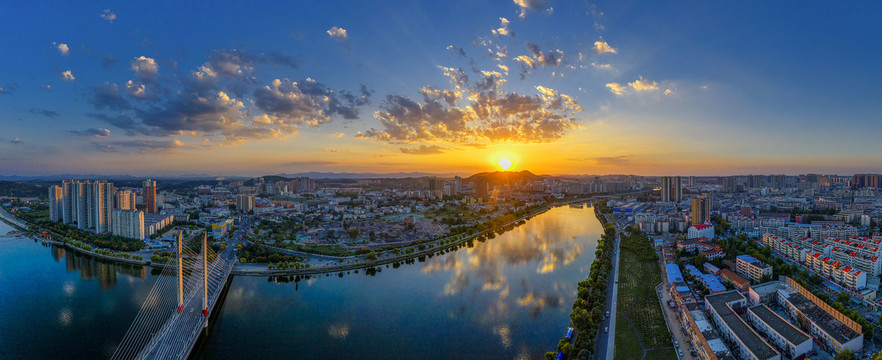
(505, 298)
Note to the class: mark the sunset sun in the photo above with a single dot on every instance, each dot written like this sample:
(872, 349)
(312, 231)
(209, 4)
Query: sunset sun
(504, 163)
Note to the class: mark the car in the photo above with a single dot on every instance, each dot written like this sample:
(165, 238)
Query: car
(677, 344)
(606, 329)
(680, 352)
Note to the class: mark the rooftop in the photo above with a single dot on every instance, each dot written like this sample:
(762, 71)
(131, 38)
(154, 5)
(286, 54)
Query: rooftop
(753, 261)
(781, 326)
(754, 343)
(835, 328)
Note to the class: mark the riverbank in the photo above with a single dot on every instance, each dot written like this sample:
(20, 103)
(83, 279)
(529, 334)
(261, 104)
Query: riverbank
(242, 269)
(251, 270)
(12, 220)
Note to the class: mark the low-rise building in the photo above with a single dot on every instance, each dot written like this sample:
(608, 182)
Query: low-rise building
(219, 230)
(831, 329)
(724, 309)
(752, 269)
(700, 231)
(779, 332)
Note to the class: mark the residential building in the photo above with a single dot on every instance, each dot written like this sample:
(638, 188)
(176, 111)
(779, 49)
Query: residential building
(671, 189)
(738, 282)
(56, 203)
(84, 203)
(219, 230)
(751, 268)
(245, 203)
(832, 330)
(150, 197)
(779, 332)
(705, 230)
(125, 199)
(153, 223)
(128, 223)
(724, 309)
(701, 207)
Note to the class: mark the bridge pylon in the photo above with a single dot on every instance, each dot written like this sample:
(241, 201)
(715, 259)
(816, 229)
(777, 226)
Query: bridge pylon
(205, 276)
(180, 272)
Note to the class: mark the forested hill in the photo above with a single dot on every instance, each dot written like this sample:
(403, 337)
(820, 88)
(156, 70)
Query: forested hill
(20, 189)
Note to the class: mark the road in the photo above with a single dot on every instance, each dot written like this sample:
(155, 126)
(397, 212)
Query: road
(611, 338)
(671, 317)
(606, 340)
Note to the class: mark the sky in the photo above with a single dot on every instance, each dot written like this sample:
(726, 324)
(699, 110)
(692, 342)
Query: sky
(557, 87)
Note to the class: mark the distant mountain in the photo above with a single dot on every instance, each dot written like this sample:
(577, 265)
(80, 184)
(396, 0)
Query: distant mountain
(59, 177)
(505, 177)
(346, 175)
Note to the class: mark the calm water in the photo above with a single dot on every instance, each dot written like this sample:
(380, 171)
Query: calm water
(506, 298)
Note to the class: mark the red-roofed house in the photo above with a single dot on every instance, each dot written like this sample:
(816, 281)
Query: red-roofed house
(700, 230)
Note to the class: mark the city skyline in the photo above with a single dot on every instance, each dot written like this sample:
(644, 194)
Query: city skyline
(557, 87)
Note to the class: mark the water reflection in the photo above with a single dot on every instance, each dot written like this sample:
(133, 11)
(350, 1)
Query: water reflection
(93, 268)
(503, 298)
(546, 243)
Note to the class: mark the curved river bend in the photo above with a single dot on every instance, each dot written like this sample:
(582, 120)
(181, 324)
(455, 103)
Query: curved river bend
(505, 298)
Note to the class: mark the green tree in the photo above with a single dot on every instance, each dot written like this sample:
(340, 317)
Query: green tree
(699, 260)
(845, 354)
(372, 256)
(843, 297)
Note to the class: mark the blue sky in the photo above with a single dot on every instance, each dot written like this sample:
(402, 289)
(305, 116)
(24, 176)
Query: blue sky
(560, 87)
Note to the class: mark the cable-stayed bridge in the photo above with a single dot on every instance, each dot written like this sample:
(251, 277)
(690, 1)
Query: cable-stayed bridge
(179, 304)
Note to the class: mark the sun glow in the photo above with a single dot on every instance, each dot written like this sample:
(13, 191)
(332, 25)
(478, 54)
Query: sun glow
(504, 163)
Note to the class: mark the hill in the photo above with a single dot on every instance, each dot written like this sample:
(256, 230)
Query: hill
(20, 189)
(505, 177)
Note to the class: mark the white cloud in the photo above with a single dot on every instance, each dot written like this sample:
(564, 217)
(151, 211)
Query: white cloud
(136, 90)
(526, 61)
(616, 88)
(145, 67)
(524, 5)
(337, 33)
(642, 84)
(604, 67)
(503, 28)
(668, 92)
(109, 16)
(62, 48)
(601, 47)
(67, 76)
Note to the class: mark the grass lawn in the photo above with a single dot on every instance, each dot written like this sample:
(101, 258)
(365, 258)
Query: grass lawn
(627, 346)
(638, 276)
(661, 354)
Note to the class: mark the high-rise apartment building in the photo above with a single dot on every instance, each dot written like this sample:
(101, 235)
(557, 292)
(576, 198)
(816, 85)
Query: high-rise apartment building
(729, 184)
(755, 181)
(128, 223)
(671, 188)
(56, 203)
(701, 207)
(245, 202)
(85, 203)
(691, 181)
(860, 181)
(150, 197)
(125, 199)
(481, 189)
